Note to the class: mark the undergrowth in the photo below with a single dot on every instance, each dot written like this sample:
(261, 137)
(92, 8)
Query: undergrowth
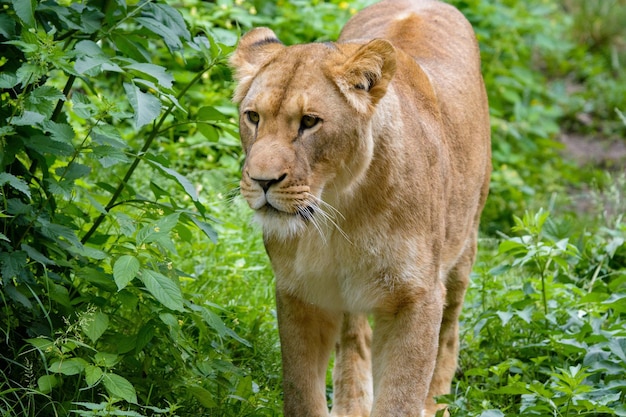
(132, 283)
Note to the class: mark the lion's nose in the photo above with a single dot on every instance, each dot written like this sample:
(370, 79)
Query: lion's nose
(267, 183)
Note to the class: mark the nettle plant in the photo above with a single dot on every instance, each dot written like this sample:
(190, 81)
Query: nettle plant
(92, 206)
(553, 340)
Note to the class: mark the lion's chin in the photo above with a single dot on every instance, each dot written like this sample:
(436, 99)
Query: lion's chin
(279, 224)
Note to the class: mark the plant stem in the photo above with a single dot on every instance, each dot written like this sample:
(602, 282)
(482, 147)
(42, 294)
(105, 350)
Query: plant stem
(153, 134)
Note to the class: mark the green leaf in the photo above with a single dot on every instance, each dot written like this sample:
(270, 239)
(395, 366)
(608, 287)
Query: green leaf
(12, 263)
(92, 374)
(125, 270)
(43, 100)
(106, 359)
(73, 171)
(210, 113)
(119, 387)
(109, 156)
(14, 182)
(157, 72)
(145, 106)
(166, 22)
(204, 396)
(72, 366)
(25, 10)
(60, 132)
(95, 325)
(491, 413)
(28, 118)
(8, 80)
(35, 255)
(92, 60)
(181, 179)
(145, 335)
(163, 289)
(45, 145)
(216, 323)
(45, 383)
(208, 230)
(157, 230)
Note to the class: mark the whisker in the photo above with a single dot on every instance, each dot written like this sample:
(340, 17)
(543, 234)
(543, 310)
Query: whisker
(327, 213)
(305, 213)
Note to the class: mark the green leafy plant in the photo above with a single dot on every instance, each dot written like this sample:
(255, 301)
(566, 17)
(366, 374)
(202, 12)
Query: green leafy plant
(88, 280)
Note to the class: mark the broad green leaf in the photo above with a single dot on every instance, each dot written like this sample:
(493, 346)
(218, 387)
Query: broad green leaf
(95, 325)
(8, 80)
(157, 230)
(145, 106)
(92, 375)
(163, 289)
(72, 366)
(25, 10)
(28, 118)
(109, 156)
(92, 60)
(125, 270)
(44, 145)
(35, 255)
(16, 296)
(491, 413)
(73, 171)
(211, 113)
(4, 237)
(216, 323)
(43, 100)
(157, 72)
(106, 359)
(132, 46)
(166, 22)
(208, 131)
(45, 383)
(119, 387)
(14, 182)
(181, 179)
(60, 132)
(208, 230)
(58, 232)
(107, 135)
(30, 73)
(12, 263)
(42, 343)
(204, 396)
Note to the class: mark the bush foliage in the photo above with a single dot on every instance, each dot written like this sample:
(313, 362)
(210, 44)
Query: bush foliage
(132, 284)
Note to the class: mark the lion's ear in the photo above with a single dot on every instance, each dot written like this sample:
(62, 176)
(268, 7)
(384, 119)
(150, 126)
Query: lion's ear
(364, 77)
(254, 50)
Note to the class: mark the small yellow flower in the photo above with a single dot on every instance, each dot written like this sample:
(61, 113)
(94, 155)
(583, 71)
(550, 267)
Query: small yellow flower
(344, 5)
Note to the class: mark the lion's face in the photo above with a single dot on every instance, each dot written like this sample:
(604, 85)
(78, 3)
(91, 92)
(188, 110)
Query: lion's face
(301, 134)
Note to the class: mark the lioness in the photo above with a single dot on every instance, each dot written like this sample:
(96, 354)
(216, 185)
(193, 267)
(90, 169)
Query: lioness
(367, 165)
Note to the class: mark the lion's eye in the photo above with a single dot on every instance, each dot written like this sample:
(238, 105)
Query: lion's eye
(253, 117)
(308, 121)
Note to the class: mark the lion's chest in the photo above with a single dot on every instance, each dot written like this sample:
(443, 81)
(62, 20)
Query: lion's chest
(341, 274)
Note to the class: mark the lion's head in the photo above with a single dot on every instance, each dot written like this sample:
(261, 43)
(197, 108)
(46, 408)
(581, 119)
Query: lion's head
(305, 121)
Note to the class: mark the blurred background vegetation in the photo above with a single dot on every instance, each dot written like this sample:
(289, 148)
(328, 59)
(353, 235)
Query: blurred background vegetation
(133, 285)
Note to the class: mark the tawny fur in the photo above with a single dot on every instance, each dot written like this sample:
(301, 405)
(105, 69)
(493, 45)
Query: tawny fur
(373, 207)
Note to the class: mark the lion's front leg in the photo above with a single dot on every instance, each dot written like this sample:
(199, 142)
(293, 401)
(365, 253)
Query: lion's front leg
(404, 352)
(352, 373)
(307, 336)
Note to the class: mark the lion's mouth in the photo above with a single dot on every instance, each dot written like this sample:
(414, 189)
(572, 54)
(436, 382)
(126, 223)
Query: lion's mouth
(305, 213)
